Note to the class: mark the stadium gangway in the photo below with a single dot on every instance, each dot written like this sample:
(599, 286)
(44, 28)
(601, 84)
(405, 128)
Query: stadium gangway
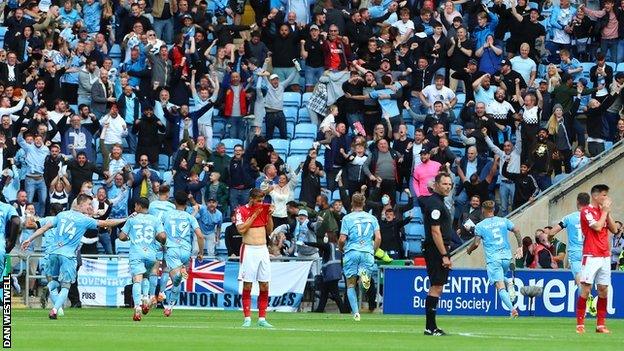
(28, 276)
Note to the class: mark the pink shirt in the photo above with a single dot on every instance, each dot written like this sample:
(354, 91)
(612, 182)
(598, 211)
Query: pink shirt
(423, 173)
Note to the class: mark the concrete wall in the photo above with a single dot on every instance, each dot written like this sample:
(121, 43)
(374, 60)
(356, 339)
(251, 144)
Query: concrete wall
(560, 200)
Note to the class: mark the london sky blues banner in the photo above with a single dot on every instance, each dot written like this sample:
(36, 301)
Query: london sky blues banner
(211, 284)
(468, 292)
(102, 282)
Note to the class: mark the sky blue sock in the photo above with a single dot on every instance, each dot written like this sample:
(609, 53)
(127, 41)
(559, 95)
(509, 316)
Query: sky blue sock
(62, 296)
(175, 291)
(153, 281)
(164, 279)
(136, 293)
(145, 286)
(53, 287)
(353, 302)
(504, 295)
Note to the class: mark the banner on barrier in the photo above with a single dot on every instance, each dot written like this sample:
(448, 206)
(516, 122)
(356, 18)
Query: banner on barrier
(102, 282)
(211, 284)
(468, 292)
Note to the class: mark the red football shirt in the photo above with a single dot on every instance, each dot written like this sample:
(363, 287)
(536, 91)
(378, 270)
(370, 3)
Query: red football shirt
(244, 212)
(596, 243)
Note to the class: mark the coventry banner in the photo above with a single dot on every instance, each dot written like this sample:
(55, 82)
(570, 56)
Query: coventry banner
(468, 292)
(102, 282)
(213, 284)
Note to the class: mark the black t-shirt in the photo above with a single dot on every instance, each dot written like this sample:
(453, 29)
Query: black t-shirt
(481, 189)
(531, 31)
(435, 213)
(459, 59)
(315, 53)
(352, 105)
(510, 81)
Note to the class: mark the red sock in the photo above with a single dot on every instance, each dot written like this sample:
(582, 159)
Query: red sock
(581, 307)
(601, 308)
(263, 303)
(247, 303)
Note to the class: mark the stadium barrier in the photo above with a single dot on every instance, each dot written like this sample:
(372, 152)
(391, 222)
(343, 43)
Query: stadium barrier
(212, 283)
(468, 292)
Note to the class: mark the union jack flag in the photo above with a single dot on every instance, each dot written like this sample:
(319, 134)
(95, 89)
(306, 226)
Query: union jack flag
(205, 276)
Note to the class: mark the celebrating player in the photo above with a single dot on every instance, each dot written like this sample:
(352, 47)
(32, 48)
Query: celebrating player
(142, 230)
(572, 224)
(178, 226)
(158, 208)
(596, 222)
(253, 222)
(11, 221)
(438, 233)
(493, 230)
(359, 238)
(69, 226)
(46, 245)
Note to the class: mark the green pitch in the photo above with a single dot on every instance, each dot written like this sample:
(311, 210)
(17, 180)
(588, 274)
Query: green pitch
(114, 330)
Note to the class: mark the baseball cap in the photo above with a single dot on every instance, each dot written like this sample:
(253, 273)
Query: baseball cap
(273, 76)
(470, 125)
(212, 199)
(473, 62)
(314, 26)
(302, 213)
(505, 62)
(619, 75)
(425, 149)
(385, 59)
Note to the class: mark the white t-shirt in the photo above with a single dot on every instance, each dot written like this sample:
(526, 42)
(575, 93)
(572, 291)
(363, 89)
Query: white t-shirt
(432, 94)
(524, 67)
(403, 27)
(328, 122)
(530, 116)
(499, 110)
(116, 129)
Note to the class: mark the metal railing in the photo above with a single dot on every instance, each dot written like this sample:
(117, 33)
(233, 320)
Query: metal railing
(28, 276)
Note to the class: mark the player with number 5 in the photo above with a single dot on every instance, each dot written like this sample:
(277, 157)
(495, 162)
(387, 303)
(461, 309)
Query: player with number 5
(359, 238)
(69, 227)
(142, 229)
(493, 230)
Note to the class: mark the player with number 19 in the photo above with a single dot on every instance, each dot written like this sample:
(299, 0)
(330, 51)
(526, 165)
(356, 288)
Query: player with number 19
(359, 238)
(142, 230)
(158, 208)
(494, 231)
(180, 226)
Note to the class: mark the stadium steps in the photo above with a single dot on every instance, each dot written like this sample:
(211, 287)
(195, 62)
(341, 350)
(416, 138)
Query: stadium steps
(558, 201)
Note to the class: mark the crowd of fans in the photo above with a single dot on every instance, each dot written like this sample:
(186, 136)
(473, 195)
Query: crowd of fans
(492, 92)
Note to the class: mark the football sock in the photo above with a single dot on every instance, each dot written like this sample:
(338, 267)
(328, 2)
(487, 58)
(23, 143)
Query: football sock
(62, 296)
(431, 305)
(263, 303)
(601, 309)
(247, 302)
(504, 295)
(175, 291)
(581, 307)
(145, 287)
(153, 281)
(136, 293)
(53, 288)
(353, 302)
(164, 279)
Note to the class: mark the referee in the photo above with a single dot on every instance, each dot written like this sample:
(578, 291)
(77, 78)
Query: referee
(438, 230)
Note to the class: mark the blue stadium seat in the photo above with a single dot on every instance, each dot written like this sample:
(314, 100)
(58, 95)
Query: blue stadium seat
(417, 215)
(305, 98)
(452, 133)
(292, 99)
(320, 159)
(99, 159)
(306, 130)
(218, 129)
(129, 158)
(586, 67)
(230, 143)
(608, 145)
(413, 247)
(297, 192)
(293, 161)
(414, 231)
(461, 100)
(163, 162)
(168, 178)
(304, 116)
(620, 67)
(3, 31)
(291, 113)
(411, 129)
(459, 151)
(300, 146)
(612, 64)
(335, 195)
(115, 52)
(290, 130)
(280, 145)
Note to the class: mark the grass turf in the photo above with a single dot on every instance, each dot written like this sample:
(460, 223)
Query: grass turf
(113, 330)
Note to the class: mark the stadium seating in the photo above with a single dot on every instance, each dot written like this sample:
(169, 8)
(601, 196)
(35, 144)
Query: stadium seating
(294, 161)
(163, 161)
(122, 247)
(620, 67)
(412, 247)
(414, 231)
(291, 113)
(230, 143)
(305, 98)
(304, 116)
(300, 146)
(292, 99)
(306, 130)
(281, 146)
(129, 158)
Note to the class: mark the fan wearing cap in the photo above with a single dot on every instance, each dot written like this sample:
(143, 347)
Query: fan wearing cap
(274, 104)
(506, 77)
(312, 52)
(469, 75)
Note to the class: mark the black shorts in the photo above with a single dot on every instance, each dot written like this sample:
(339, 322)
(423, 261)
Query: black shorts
(438, 275)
